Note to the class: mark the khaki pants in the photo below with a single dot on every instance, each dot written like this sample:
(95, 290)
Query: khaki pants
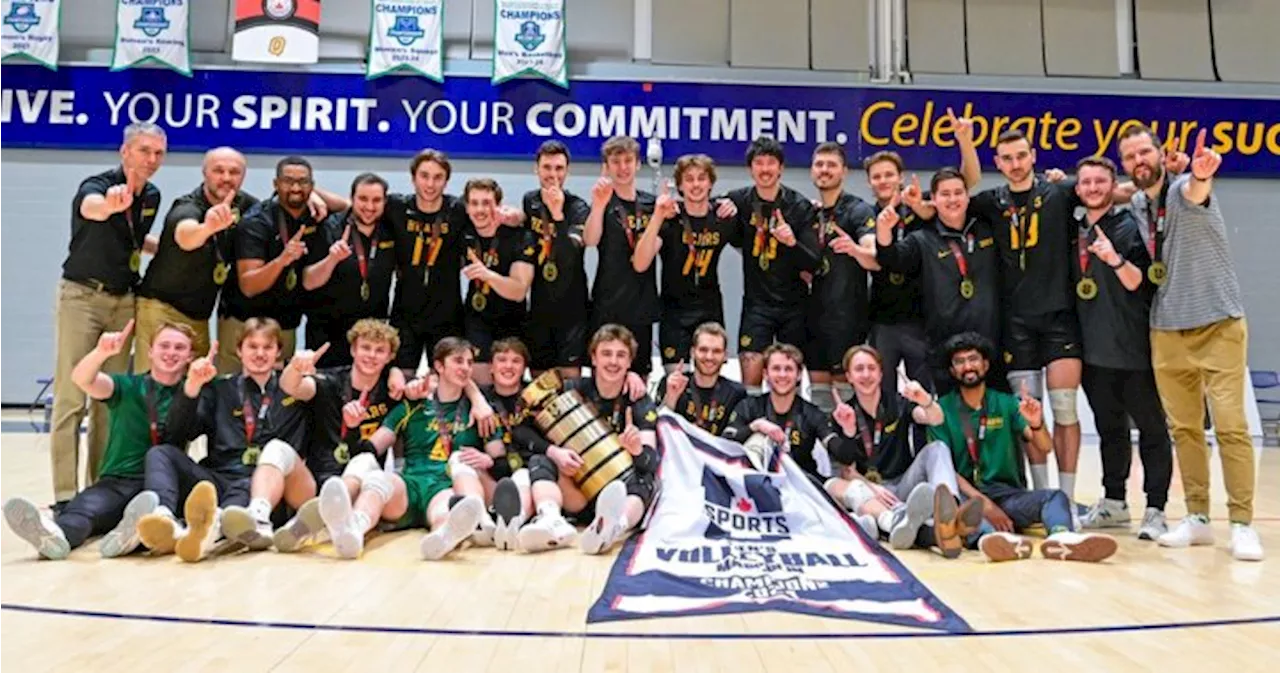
(82, 315)
(152, 313)
(229, 331)
(1190, 364)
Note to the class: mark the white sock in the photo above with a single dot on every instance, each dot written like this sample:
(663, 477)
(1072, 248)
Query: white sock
(885, 520)
(1067, 482)
(260, 508)
(362, 521)
(549, 509)
(1039, 476)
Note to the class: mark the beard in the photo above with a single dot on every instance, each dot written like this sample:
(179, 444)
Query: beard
(971, 380)
(1157, 172)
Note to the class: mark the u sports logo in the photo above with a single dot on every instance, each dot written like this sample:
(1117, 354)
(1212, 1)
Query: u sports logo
(22, 16)
(748, 509)
(406, 30)
(152, 21)
(530, 36)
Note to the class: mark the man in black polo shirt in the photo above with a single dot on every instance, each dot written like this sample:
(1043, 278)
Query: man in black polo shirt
(195, 255)
(775, 234)
(711, 397)
(111, 216)
(273, 245)
(1114, 304)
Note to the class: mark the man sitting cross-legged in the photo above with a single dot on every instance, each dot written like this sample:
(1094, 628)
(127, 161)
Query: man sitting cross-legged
(137, 406)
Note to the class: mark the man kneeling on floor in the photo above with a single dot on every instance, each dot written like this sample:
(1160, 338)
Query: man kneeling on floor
(243, 416)
(137, 405)
(982, 426)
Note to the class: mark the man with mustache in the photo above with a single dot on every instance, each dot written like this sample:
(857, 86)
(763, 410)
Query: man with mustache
(1199, 337)
(110, 219)
(711, 397)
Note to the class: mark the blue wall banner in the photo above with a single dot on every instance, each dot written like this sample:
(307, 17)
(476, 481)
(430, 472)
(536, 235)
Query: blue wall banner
(86, 107)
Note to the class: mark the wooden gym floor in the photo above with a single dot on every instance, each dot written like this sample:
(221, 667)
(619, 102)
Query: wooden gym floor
(1146, 609)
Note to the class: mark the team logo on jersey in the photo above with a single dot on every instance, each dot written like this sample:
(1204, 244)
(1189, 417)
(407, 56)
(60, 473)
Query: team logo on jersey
(746, 508)
(530, 36)
(22, 16)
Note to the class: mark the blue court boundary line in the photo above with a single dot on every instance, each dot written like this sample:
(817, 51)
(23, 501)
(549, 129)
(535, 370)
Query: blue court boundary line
(616, 635)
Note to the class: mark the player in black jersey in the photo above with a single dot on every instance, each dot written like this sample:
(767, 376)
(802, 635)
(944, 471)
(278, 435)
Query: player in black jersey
(711, 397)
(619, 215)
(506, 482)
(556, 332)
(775, 233)
(838, 315)
(690, 237)
(621, 504)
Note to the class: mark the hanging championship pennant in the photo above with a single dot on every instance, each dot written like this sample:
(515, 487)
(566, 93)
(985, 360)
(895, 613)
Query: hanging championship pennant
(157, 31)
(528, 37)
(277, 31)
(407, 34)
(31, 30)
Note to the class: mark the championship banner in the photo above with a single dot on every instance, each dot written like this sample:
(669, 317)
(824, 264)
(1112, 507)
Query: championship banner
(277, 31)
(153, 30)
(409, 35)
(725, 537)
(31, 30)
(528, 38)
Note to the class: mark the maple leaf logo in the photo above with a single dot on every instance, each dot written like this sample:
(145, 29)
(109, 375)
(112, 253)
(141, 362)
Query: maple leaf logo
(744, 504)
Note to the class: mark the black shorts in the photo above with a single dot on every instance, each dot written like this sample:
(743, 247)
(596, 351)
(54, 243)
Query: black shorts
(482, 333)
(416, 338)
(1032, 342)
(556, 345)
(763, 325)
(675, 333)
(829, 336)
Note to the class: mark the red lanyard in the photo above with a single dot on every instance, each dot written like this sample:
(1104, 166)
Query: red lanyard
(1155, 225)
(362, 262)
(1083, 245)
(870, 441)
(548, 234)
(251, 417)
(625, 219)
(971, 442)
(961, 263)
(152, 414)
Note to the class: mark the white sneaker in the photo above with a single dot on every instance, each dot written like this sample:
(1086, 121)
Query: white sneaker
(915, 511)
(507, 506)
(1000, 546)
(123, 539)
(604, 531)
(159, 531)
(305, 526)
(36, 528)
(868, 525)
(339, 519)
(1245, 545)
(1107, 513)
(485, 531)
(462, 522)
(239, 524)
(1088, 547)
(1153, 524)
(1191, 531)
(545, 533)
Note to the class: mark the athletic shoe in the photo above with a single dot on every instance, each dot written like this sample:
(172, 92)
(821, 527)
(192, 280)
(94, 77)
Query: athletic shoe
(508, 514)
(1000, 546)
(1088, 547)
(240, 525)
(160, 531)
(36, 528)
(1107, 513)
(604, 531)
(1153, 525)
(339, 519)
(912, 515)
(486, 529)
(461, 523)
(305, 526)
(1245, 545)
(123, 539)
(868, 525)
(545, 533)
(1193, 530)
(969, 519)
(201, 514)
(946, 530)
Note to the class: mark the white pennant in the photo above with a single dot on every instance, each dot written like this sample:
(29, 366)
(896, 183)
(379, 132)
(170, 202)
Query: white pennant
(407, 34)
(529, 38)
(153, 30)
(31, 30)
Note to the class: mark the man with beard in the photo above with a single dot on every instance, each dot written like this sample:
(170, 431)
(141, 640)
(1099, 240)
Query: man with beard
(138, 405)
(556, 331)
(1114, 305)
(708, 402)
(690, 238)
(346, 287)
(775, 234)
(348, 404)
(983, 427)
(621, 504)
(110, 219)
(837, 306)
(1199, 338)
(243, 416)
(500, 273)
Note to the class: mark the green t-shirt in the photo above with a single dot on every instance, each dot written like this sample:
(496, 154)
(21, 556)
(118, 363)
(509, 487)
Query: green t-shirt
(416, 425)
(998, 460)
(129, 422)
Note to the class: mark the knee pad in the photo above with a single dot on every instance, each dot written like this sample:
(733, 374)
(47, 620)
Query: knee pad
(1033, 378)
(820, 396)
(378, 482)
(1062, 401)
(647, 461)
(279, 455)
(542, 468)
(361, 466)
(457, 468)
(858, 494)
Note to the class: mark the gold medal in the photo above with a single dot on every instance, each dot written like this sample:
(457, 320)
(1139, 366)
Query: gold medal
(220, 272)
(478, 301)
(897, 279)
(250, 455)
(764, 263)
(135, 261)
(966, 288)
(550, 272)
(291, 280)
(873, 476)
(1087, 289)
(364, 291)
(826, 266)
(1157, 273)
(342, 454)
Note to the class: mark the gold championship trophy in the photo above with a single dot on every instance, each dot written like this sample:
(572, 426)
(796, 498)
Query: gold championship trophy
(571, 421)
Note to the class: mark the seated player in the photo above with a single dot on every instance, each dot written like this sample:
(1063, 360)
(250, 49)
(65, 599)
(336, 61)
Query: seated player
(982, 427)
(708, 402)
(348, 403)
(621, 504)
(506, 482)
(137, 406)
(885, 428)
(243, 416)
(440, 439)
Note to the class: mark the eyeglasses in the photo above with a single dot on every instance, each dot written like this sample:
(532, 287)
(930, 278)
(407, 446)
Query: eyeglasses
(294, 182)
(962, 360)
